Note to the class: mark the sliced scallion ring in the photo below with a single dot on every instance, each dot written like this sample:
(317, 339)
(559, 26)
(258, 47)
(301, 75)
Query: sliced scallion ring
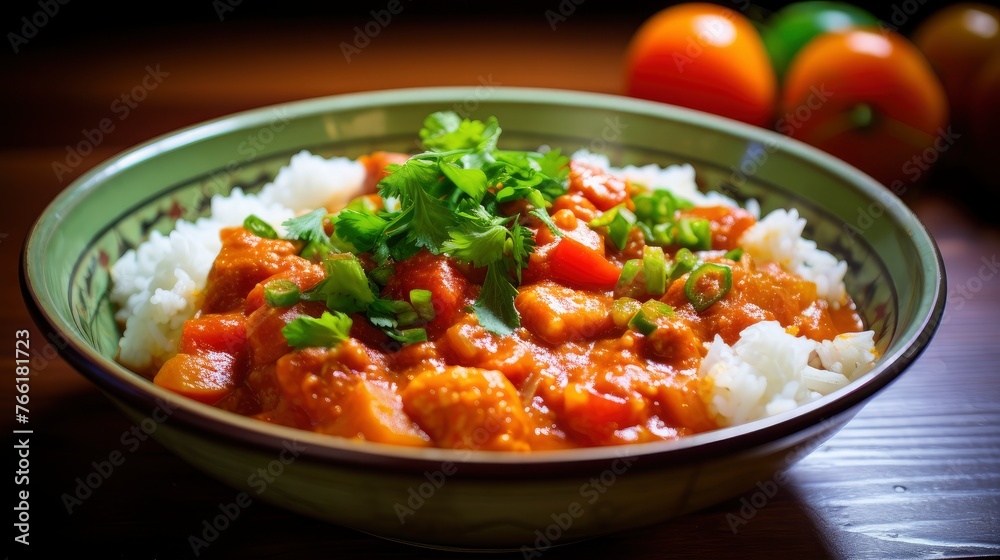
(259, 227)
(707, 284)
(281, 293)
(654, 269)
(407, 336)
(421, 301)
(684, 262)
(644, 321)
(623, 310)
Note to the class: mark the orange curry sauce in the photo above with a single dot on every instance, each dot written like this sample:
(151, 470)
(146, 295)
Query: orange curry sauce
(569, 377)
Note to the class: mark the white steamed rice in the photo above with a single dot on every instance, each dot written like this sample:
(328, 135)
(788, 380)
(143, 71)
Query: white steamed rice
(767, 372)
(156, 286)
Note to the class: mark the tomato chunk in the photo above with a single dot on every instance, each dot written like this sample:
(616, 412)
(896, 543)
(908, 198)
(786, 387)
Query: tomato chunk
(605, 191)
(245, 260)
(450, 290)
(575, 264)
(205, 377)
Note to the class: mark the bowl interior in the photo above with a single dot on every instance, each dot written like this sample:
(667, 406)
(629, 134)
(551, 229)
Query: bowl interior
(894, 269)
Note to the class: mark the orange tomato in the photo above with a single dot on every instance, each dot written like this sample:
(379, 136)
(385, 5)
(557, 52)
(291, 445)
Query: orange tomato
(958, 40)
(869, 97)
(706, 57)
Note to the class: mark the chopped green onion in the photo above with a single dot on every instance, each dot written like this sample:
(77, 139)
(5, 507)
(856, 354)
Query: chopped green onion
(695, 233)
(381, 273)
(281, 293)
(421, 301)
(406, 315)
(663, 234)
(630, 270)
(259, 227)
(656, 207)
(734, 255)
(644, 321)
(619, 221)
(627, 285)
(642, 324)
(719, 279)
(623, 310)
(407, 336)
(654, 269)
(684, 262)
(314, 251)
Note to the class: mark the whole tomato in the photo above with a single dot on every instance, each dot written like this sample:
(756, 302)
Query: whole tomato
(706, 57)
(958, 41)
(786, 31)
(869, 97)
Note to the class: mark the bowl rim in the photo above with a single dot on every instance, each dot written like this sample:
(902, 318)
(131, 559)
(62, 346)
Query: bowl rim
(123, 385)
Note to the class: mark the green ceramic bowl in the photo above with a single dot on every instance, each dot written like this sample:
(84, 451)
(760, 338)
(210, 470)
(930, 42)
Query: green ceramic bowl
(478, 499)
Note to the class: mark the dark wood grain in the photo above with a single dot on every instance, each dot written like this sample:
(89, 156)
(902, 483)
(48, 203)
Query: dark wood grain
(915, 475)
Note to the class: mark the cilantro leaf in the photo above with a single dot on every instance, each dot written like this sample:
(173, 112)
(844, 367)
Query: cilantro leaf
(446, 131)
(495, 306)
(345, 288)
(308, 227)
(552, 163)
(427, 221)
(542, 215)
(403, 180)
(477, 239)
(325, 331)
(471, 181)
(522, 244)
(360, 229)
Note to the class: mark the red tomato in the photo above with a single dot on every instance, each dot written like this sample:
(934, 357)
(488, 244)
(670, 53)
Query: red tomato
(577, 265)
(958, 40)
(869, 97)
(706, 57)
(962, 43)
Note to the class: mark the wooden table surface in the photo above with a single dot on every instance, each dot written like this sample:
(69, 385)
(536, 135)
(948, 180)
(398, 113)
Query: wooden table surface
(915, 475)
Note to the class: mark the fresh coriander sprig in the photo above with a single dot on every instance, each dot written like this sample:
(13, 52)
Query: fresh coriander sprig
(451, 201)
